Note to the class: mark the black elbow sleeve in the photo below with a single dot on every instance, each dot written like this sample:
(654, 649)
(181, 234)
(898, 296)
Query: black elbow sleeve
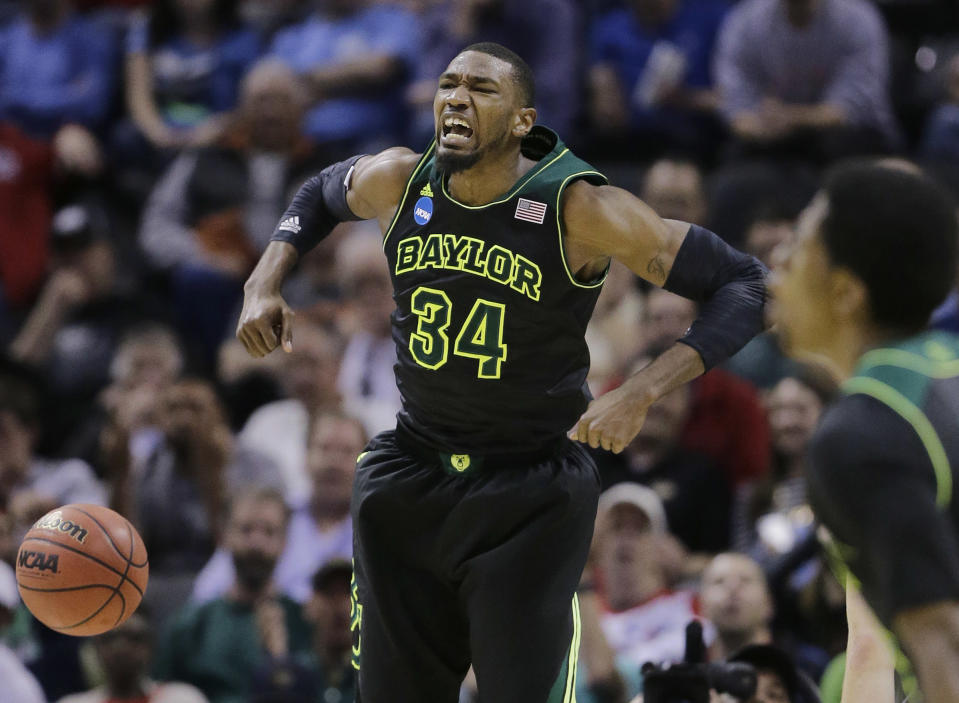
(731, 288)
(318, 206)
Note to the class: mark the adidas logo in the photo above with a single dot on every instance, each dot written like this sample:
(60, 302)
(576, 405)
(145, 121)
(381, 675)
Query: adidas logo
(427, 191)
(291, 224)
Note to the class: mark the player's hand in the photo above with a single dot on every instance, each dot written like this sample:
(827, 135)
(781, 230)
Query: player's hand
(266, 321)
(612, 420)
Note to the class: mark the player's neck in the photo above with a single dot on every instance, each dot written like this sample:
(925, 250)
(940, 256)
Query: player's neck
(840, 354)
(489, 179)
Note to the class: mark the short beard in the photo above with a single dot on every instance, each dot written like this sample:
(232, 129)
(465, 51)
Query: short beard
(253, 571)
(449, 161)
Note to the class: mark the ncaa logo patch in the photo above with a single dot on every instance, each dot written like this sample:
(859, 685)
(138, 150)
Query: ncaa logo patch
(423, 210)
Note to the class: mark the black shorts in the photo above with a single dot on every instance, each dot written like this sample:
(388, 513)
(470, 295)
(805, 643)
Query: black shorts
(463, 560)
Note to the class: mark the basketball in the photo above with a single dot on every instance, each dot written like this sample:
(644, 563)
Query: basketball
(82, 569)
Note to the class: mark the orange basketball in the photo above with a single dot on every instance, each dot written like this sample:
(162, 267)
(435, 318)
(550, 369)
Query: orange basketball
(82, 569)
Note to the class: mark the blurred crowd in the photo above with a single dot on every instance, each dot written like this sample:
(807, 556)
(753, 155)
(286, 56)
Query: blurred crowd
(147, 150)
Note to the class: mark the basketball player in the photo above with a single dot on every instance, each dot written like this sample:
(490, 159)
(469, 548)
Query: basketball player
(472, 520)
(876, 254)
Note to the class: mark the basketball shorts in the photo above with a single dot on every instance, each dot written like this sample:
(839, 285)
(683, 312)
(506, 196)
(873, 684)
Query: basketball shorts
(463, 560)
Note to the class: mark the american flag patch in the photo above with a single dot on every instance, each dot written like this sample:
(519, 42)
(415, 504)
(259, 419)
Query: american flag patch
(531, 211)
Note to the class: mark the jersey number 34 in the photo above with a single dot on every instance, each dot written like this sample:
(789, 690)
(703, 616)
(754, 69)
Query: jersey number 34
(480, 337)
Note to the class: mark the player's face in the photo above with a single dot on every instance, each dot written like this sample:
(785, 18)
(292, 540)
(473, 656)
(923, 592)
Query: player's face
(476, 109)
(803, 304)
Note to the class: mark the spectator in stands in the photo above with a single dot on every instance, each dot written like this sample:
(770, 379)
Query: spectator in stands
(779, 680)
(218, 646)
(940, 138)
(354, 57)
(268, 17)
(176, 494)
(650, 73)
(82, 312)
(674, 189)
(30, 169)
(772, 225)
(366, 380)
(772, 514)
(644, 620)
(735, 598)
(124, 655)
(30, 485)
(768, 233)
(328, 610)
(328, 674)
(320, 527)
(726, 420)
(184, 62)
(600, 676)
(544, 32)
(808, 76)
(147, 361)
(56, 68)
(212, 213)
(281, 430)
(19, 685)
(696, 495)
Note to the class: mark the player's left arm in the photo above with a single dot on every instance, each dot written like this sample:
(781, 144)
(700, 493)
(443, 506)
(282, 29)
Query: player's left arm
(930, 636)
(603, 222)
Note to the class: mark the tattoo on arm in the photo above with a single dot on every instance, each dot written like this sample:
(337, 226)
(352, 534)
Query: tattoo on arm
(656, 270)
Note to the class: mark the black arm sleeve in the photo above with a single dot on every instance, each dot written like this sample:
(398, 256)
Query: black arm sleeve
(872, 484)
(318, 206)
(731, 288)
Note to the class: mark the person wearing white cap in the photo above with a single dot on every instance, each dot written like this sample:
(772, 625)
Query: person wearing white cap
(18, 684)
(644, 620)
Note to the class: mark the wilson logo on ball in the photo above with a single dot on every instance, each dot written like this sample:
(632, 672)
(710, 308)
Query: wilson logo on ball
(38, 561)
(55, 521)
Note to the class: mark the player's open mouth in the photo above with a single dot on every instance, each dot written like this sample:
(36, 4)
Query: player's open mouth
(456, 131)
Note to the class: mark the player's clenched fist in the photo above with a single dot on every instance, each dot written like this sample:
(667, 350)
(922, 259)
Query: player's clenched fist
(266, 321)
(612, 420)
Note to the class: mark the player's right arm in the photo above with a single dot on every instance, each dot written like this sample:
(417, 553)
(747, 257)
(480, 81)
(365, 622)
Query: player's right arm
(361, 188)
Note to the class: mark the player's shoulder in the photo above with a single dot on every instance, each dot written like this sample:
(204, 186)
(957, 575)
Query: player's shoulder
(391, 167)
(584, 200)
(861, 432)
(852, 418)
(379, 180)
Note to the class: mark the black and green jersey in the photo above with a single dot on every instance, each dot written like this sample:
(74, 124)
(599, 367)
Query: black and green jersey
(884, 469)
(489, 322)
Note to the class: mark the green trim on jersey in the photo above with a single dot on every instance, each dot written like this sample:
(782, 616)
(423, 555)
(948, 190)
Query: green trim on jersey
(559, 228)
(899, 377)
(517, 187)
(898, 402)
(424, 159)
